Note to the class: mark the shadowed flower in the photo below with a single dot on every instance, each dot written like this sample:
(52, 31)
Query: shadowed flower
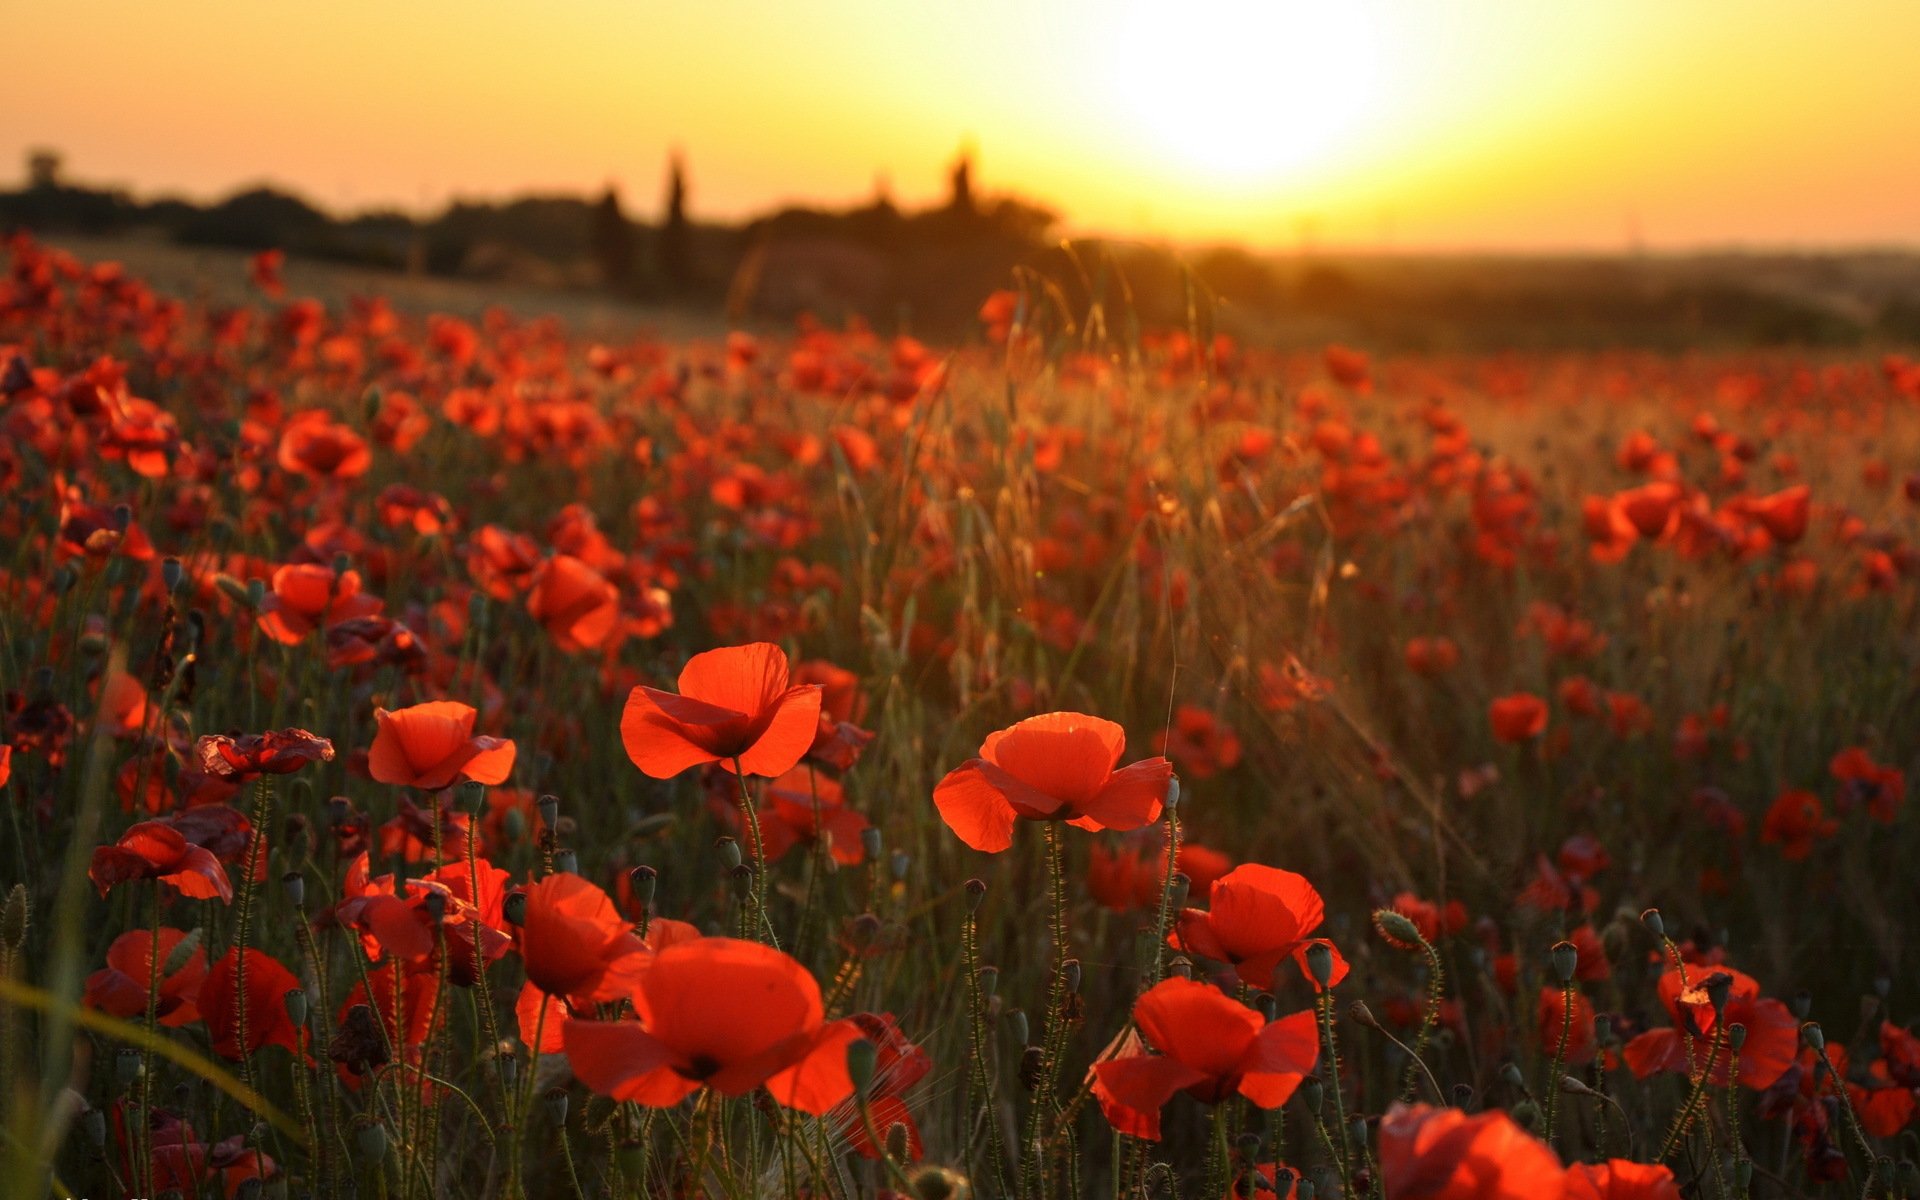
(1211, 1047)
(575, 944)
(155, 850)
(1620, 1179)
(1520, 717)
(1772, 1033)
(724, 1014)
(576, 604)
(238, 758)
(305, 596)
(268, 1024)
(1054, 767)
(120, 989)
(429, 746)
(734, 707)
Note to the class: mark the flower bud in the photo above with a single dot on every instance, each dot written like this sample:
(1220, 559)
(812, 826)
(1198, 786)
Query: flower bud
(1172, 799)
(1510, 1074)
(989, 978)
(371, 1138)
(1313, 1093)
(1811, 1034)
(1566, 960)
(1396, 927)
(871, 842)
(549, 810)
(643, 879)
(514, 908)
(1526, 1114)
(294, 884)
(256, 592)
(976, 892)
(1651, 919)
(729, 852)
(1320, 963)
(1017, 1023)
(556, 1102)
(863, 1058)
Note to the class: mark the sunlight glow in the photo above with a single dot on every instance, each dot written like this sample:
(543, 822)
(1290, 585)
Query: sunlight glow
(1247, 92)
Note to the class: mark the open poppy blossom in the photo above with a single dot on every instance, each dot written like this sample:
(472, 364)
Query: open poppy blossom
(238, 758)
(1520, 717)
(1773, 1036)
(575, 944)
(1256, 918)
(410, 1008)
(1054, 767)
(1211, 1047)
(319, 447)
(1444, 1154)
(431, 745)
(267, 984)
(804, 806)
(120, 989)
(899, 1065)
(734, 707)
(156, 850)
(576, 604)
(302, 597)
(723, 1014)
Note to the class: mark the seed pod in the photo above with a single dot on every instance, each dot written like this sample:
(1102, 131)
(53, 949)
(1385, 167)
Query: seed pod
(294, 884)
(1510, 1075)
(989, 978)
(296, 1002)
(1526, 1114)
(1320, 963)
(1566, 960)
(1017, 1023)
(741, 877)
(473, 796)
(556, 1102)
(871, 842)
(1032, 1059)
(514, 908)
(371, 1138)
(1177, 893)
(1172, 798)
(729, 852)
(566, 862)
(1070, 975)
(1651, 919)
(172, 574)
(1462, 1095)
(1811, 1034)
(900, 862)
(549, 810)
(643, 880)
(436, 903)
(1736, 1036)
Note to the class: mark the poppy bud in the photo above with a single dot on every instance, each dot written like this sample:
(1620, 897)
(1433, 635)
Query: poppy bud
(643, 880)
(127, 1067)
(897, 1142)
(632, 1158)
(294, 884)
(233, 589)
(1718, 985)
(1510, 1074)
(95, 1125)
(976, 892)
(1526, 1114)
(172, 573)
(1361, 1015)
(556, 1099)
(510, 1069)
(515, 824)
(1357, 1128)
(1177, 894)
(900, 862)
(1031, 1060)
(436, 903)
(1743, 1176)
(549, 811)
(256, 592)
(473, 796)
(1268, 1004)
(1070, 975)
(1313, 1093)
(1651, 919)
(1320, 962)
(1811, 1034)
(729, 852)
(1573, 1085)
(514, 908)
(863, 1058)
(296, 1002)
(989, 978)
(1172, 800)
(1462, 1095)
(1304, 1190)
(122, 517)
(871, 842)
(741, 876)
(566, 862)
(15, 916)
(1180, 965)
(1017, 1022)
(1249, 1146)
(1397, 927)
(1566, 960)
(371, 1138)
(1736, 1036)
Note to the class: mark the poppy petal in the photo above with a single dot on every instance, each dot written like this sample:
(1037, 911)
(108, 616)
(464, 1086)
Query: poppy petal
(1132, 1091)
(621, 1060)
(976, 810)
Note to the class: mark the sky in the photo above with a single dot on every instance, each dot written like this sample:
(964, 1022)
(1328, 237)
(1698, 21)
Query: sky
(1405, 125)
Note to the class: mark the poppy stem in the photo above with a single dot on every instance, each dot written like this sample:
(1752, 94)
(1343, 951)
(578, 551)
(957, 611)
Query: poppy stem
(1683, 1119)
(1165, 920)
(243, 920)
(980, 1076)
(1053, 1036)
(1324, 1004)
(1559, 1059)
(751, 819)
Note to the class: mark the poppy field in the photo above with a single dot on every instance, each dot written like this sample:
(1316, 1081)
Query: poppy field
(453, 757)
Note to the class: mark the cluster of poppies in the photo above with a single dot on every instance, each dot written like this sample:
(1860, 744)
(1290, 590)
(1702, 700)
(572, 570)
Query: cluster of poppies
(447, 757)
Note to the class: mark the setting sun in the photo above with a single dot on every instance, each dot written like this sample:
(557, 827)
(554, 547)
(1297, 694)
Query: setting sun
(1246, 93)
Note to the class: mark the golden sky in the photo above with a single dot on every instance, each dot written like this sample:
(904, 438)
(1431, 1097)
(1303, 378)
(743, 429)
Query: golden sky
(1404, 124)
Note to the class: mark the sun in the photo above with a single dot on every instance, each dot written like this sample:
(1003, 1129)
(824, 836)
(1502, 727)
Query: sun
(1240, 93)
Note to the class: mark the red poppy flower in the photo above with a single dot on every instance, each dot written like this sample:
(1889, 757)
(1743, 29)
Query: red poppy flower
(734, 705)
(317, 446)
(1444, 1154)
(176, 1158)
(720, 1013)
(1123, 879)
(898, 1066)
(238, 758)
(803, 806)
(1202, 743)
(406, 1006)
(268, 1023)
(1520, 717)
(6, 764)
(305, 596)
(1054, 767)
(155, 850)
(575, 943)
(120, 989)
(1794, 822)
(1211, 1047)
(1651, 507)
(1572, 1040)
(1201, 865)
(429, 746)
(1772, 1033)
(1783, 514)
(1257, 917)
(1883, 788)
(1620, 1179)
(575, 602)
(840, 740)
(124, 707)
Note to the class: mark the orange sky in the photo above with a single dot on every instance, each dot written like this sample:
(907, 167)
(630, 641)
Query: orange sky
(1404, 124)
